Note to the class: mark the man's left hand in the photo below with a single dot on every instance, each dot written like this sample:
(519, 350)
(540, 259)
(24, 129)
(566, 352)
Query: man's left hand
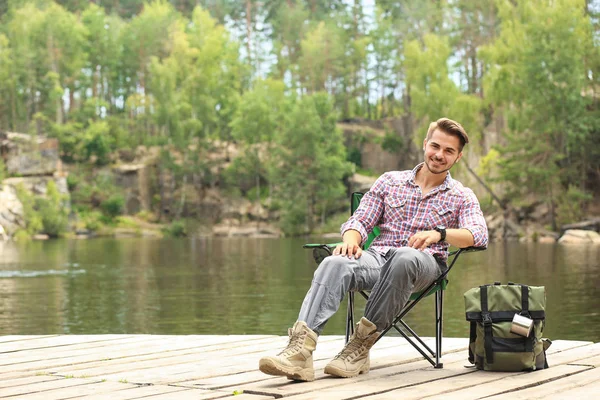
(422, 240)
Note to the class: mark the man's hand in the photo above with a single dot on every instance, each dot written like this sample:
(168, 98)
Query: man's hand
(351, 246)
(422, 240)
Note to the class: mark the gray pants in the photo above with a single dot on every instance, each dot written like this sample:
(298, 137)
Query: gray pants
(391, 278)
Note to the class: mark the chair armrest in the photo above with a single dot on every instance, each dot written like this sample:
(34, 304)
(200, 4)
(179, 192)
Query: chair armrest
(320, 251)
(466, 250)
(320, 245)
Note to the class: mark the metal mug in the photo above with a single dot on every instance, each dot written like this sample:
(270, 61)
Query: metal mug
(521, 325)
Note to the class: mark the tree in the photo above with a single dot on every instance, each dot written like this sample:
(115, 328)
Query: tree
(433, 93)
(256, 124)
(311, 164)
(537, 79)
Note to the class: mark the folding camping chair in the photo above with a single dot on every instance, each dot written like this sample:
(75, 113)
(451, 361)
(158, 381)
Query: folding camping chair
(320, 251)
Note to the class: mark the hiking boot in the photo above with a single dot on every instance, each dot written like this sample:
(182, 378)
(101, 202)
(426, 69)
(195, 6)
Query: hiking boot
(295, 361)
(354, 357)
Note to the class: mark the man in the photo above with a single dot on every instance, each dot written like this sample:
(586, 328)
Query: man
(419, 213)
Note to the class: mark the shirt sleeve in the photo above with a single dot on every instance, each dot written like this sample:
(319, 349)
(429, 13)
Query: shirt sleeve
(370, 210)
(471, 218)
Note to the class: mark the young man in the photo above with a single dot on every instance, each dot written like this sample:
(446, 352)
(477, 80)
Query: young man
(420, 213)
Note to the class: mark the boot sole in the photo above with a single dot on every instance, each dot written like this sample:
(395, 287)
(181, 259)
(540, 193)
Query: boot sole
(341, 373)
(270, 367)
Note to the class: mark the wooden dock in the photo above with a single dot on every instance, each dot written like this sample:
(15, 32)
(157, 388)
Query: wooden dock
(124, 367)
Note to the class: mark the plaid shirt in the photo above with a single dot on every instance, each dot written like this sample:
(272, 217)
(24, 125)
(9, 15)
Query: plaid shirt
(396, 205)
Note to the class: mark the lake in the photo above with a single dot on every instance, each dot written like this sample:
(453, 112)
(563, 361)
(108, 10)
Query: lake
(252, 286)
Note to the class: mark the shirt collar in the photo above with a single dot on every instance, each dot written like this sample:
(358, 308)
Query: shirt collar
(447, 184)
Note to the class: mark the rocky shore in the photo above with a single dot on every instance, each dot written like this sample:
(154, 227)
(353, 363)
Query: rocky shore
(34, 161)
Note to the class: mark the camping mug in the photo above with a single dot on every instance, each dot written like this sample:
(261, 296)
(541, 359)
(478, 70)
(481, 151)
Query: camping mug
(521, 325)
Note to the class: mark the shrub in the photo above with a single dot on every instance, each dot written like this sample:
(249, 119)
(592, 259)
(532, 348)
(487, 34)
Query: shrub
(52, 211)
(176, 229)
(113, 206)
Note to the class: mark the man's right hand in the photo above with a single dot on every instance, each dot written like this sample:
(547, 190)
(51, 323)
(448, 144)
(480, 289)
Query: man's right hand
(350, 246)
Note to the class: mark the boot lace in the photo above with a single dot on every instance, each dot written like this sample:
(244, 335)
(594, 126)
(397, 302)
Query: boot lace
(354, 346)
(294, 344)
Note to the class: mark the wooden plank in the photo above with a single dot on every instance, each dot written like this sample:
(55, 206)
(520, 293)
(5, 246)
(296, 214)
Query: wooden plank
(502, 381)
(78, 391)
(45, 386)
(200, 394)
(578, 386)
(210, 366)
(5, 383)
(137, 392)
(591, 389)
(135, 348)
(235, 366)
(54, 341)
(138, 368)
(388, 379)
(393, 352)
(390, 376)
(15, 338)
(591, 362)
(53, 353)
(482, 384)
(118, 356)
(573, 355)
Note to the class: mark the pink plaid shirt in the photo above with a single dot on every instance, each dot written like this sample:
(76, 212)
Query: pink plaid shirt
(396, 205)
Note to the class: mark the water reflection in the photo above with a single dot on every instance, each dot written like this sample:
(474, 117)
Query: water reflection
(251, 286)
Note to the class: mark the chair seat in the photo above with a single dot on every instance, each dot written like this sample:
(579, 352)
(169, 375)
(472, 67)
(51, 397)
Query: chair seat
(438, 286)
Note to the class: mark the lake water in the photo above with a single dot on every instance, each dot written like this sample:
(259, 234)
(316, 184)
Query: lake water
(252, 286)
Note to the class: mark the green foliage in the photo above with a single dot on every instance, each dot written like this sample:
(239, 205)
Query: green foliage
(3, 173)
(90, 190)
(97, 143)
(69, 137)
(311, 164)
(33, 221)
(92, 220)
(184, 75)
(176, 229)
(47, 214)
(434, 94)
(571, 205)
(354, 156)
(113, 206)
(392, 142)
(537, 78)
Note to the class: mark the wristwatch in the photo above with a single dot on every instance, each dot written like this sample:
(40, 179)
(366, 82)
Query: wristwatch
(442, 230)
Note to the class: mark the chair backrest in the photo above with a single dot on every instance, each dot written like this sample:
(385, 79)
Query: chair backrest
(354, 202)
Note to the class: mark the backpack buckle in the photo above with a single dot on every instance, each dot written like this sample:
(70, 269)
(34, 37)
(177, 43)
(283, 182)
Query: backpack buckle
(486, 318)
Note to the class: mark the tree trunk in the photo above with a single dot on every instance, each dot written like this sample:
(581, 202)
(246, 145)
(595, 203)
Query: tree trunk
(249, 30)
(501, 203)
(54, 68)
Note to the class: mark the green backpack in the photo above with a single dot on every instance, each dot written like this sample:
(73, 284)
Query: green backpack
(492, 345)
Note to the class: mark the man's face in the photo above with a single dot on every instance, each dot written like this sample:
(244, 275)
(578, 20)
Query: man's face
(441, 151)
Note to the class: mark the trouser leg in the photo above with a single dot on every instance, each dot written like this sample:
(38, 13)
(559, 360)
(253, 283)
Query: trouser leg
(405, 271)
(334, 277)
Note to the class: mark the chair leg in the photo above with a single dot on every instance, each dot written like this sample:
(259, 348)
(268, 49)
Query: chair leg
(438, 328)
(350, 316)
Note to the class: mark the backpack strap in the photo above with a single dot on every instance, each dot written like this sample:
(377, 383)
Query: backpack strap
(525, 301)
(525, 312)
(486, 320)
(472, 338)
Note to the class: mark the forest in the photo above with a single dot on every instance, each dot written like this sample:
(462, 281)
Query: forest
(275, 77)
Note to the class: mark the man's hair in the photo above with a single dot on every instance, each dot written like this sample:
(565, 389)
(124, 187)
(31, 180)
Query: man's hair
(449, 127)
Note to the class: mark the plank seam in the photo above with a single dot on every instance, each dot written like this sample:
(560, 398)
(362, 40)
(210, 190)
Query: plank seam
(531, 385)
(405, 386)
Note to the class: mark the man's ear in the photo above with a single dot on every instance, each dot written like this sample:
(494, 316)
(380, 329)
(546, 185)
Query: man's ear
(459, 157)
(424, 143)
